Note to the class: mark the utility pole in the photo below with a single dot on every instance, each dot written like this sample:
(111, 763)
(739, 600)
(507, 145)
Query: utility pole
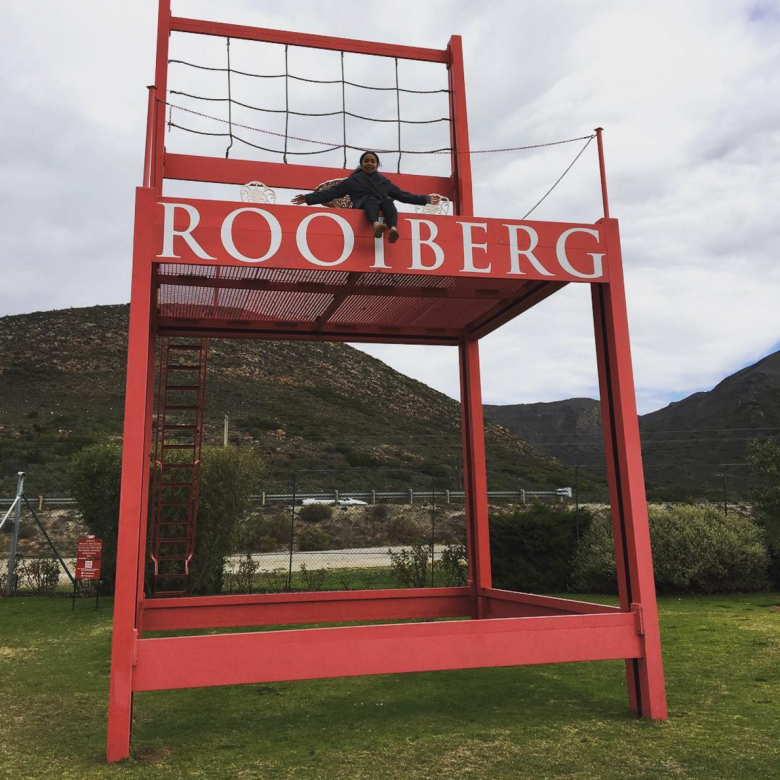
(225, 437)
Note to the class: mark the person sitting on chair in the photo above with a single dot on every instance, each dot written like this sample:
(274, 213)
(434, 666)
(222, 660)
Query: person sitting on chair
(371, 191)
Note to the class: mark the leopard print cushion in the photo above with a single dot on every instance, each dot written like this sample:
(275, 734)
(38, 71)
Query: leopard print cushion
(337, 203)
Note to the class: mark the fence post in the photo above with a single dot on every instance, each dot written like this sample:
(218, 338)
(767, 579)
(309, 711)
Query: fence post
(292, 534)
(336, 494)
(373, 496)
(522, 496)
(411, 496)
(40, 503)
(447, 496)
(11, 579)
(262, 498)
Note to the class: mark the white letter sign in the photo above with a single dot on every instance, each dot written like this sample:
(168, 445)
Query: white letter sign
(303, 244)
(170, 231)
(230, 246)
(560, 251)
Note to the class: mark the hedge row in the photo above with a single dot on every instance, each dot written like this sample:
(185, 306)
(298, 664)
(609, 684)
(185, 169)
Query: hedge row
(695, 550)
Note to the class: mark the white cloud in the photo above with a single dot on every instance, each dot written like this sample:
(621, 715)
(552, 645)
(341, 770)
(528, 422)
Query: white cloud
(687, 93)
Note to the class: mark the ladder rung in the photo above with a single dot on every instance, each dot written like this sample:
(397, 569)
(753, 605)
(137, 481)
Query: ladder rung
(172, 540)
(184, 346)
(180, 576)
(182, 387)
(179, 426)
(178, 447)
(184, 367)
(176, 484)
(171, 558)
(178, 466)
(180, 408)
(175, 503)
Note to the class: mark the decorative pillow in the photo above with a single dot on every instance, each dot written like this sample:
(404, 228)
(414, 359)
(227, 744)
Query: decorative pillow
(344, 202)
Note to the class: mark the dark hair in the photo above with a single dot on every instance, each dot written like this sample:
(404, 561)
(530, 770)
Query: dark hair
(378, 161)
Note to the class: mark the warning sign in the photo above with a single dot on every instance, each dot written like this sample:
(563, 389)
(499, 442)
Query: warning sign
(88, 558)
(89, 547)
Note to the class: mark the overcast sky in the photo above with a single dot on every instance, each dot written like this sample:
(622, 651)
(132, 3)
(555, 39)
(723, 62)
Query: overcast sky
(688, 94)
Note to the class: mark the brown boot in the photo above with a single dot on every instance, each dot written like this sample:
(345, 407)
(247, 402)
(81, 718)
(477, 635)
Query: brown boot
(394, 235)
(379, 229)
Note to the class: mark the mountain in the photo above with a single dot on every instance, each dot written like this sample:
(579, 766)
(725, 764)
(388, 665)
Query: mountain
(334, 415)
(684, 445)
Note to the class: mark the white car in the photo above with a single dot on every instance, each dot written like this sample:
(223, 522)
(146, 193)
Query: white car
(332, 501)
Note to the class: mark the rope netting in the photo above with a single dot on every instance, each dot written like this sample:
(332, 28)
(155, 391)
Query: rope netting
(324, 146)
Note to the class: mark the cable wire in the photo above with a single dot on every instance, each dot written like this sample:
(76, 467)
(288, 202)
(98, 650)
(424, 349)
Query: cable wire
(571, 165)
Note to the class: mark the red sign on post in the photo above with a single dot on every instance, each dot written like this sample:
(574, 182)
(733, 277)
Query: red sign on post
(88, 557)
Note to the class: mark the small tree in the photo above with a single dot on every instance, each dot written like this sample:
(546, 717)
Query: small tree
(95, 476)
(227, 477)
(764, 458)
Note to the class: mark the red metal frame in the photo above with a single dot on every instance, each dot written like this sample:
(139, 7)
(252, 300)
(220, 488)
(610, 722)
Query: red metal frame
(504, 628)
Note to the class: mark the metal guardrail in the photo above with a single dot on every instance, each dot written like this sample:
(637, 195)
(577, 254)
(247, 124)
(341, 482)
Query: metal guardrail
(369, 496)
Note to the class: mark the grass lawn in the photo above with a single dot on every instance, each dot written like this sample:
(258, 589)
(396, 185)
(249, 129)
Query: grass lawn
(722, 658)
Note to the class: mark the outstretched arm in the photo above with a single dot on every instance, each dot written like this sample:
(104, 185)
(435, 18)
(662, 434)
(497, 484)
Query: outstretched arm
(338, 190)
(408, 197)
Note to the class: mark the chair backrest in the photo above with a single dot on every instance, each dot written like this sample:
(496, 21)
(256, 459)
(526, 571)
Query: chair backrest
(442, 207)
(257, 192)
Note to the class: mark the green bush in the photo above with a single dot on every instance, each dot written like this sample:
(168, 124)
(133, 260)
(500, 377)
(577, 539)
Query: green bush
(452, 567)
(41, 575)
(695, 550)
(228, 475)
(263, 533)
(315, 513)
(764, 458)
(401, 528)
(410, 566)
(313, 538)
(533, 549)
(95, 476)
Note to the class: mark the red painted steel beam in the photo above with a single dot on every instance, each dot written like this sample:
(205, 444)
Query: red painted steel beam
(459, 130)
(215, 328)
(338, 299)
(319, 288)
(134, 490)
(474, 472)
(185, 167)
(160, 92)
(316, 653)
(647, 693)
(203, 27)
(294, 608)
(549, 603)
(533, 293)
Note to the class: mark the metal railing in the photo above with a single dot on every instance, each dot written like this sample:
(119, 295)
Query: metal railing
(409, 496)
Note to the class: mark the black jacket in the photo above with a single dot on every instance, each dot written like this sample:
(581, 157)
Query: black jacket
(360, 187)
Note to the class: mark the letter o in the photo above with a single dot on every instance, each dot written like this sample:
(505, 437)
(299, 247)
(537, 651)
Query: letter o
(230, 246)
(303, 244)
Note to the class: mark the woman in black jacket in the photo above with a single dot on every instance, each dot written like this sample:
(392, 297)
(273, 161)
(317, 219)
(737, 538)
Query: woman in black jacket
(372, 192)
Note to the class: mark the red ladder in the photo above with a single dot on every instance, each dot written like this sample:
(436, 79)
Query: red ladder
(178, 441)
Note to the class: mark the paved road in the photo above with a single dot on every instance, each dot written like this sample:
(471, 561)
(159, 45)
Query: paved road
(358, 558)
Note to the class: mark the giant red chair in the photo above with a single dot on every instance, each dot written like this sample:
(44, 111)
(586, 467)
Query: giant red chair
(207, 268)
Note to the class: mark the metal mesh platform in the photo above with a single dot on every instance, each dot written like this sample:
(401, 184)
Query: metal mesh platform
(211, 298)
